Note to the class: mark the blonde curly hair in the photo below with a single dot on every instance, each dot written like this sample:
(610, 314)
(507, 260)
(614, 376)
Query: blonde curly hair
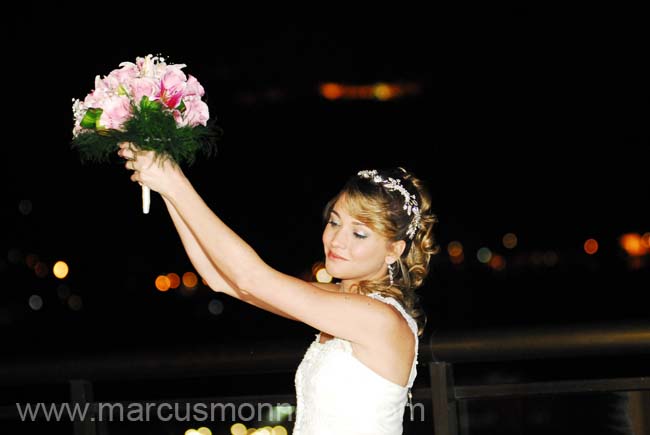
(382, 210)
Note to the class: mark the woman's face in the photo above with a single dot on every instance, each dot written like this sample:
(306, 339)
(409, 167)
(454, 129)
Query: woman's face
(352, 250)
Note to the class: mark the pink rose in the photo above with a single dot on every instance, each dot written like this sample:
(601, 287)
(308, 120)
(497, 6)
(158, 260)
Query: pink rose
(196, 112)
(144, 87)
(116, 110)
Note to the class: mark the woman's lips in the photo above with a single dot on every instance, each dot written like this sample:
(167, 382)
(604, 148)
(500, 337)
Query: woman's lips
(333, 256)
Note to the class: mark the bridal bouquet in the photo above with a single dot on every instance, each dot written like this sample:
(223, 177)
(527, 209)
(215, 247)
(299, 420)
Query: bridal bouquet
(149, 103)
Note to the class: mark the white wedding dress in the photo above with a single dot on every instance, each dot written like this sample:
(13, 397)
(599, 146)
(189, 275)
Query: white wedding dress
(337, 394)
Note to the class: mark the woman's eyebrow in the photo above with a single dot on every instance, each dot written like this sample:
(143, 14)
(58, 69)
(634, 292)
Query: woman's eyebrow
(353, 222)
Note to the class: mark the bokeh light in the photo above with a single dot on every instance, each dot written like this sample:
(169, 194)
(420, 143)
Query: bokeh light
(41, 270)
(60, 269)
(484, 255)
(238, 429)
(174, 280)
(215, 307)
(591, 246)
(75, 303)
(509, 241)
(323, 276)
(35, 302)
(331, 91)
(162, 283)
(497, 262)
(455, 249)
(190, 280)
(631, 243)
(25, 207)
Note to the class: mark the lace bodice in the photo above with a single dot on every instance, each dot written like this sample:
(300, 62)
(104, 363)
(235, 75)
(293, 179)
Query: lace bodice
(338, 394)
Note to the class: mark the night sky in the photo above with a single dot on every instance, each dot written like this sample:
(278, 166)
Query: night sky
(532, 122)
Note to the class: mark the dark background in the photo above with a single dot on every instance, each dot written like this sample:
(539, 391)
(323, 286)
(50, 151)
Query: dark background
(530, 121)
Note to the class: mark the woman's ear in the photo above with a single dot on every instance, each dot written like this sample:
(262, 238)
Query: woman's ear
(396, 249)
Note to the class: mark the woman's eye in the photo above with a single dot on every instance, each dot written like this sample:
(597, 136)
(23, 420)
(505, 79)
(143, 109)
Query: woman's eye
(332, 223)
(360, 236)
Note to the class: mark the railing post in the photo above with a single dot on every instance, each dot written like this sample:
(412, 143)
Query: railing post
(81, 394)
(445, 409)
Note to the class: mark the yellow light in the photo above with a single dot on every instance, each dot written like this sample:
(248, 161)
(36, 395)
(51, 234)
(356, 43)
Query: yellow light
(383, 92)
(591, 246)
(238, 429)
(192, 432)
(323, 276)
(60, 269)
(204, 431)
(190, 279)
(162, 283)
(279, 430)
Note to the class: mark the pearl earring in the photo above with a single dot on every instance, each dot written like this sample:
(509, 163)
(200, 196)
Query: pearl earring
(390, 273)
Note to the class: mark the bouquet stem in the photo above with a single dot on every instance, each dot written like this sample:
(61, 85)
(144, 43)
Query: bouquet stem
(146, 199)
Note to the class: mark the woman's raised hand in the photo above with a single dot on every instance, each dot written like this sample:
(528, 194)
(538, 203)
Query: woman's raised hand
(156, 172)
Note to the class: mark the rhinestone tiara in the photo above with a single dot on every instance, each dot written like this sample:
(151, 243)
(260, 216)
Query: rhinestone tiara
(410, 201)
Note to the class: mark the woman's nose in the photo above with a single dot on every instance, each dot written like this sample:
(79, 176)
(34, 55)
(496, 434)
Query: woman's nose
(338, 239)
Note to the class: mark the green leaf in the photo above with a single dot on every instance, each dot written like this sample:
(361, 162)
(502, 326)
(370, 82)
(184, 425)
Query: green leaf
(91, 118)
(147, 104)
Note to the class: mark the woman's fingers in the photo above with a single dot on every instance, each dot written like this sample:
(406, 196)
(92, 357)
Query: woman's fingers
(136, 159)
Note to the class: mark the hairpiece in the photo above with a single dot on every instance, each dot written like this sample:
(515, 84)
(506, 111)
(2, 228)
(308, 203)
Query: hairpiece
(410, 201)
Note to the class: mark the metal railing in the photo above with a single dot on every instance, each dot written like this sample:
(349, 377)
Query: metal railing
(592, 342)
(440, 351)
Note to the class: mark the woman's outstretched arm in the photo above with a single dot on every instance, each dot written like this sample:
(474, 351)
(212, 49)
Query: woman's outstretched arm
(351, 316)
(207, 270)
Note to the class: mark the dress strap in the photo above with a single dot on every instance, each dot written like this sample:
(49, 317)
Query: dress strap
(412, 324)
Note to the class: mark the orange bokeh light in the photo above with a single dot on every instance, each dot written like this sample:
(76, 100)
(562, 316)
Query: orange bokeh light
(331, 91)
(162, 283)
(591, 246)
(455, 249)
(497, 262)
(633, 244)
(190, 280)
(645, 240)
(174, 280)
